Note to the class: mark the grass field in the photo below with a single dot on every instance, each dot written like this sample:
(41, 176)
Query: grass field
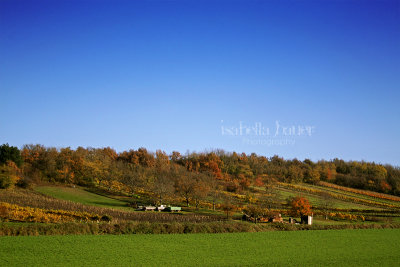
(300, 248)
(80, 195)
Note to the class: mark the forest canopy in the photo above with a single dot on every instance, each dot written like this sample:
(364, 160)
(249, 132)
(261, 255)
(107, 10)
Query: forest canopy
(191, 175)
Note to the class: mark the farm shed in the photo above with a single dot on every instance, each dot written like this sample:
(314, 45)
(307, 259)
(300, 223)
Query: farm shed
(306, 219)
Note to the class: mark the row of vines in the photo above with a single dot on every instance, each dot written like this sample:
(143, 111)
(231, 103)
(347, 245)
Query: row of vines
(300, 188)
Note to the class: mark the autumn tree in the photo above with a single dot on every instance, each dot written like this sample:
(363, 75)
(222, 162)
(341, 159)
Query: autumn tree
(328, 171)
(175, 156)
(201, 188)
(64, 164)
(228, 206)
(277, 167)
(92, 169)
(138, 157)
(255, 212)
(214, 192)
(34, 165)
(258, 164)
(185, 184)
(244, 182)
(294, 174)
(135, 177)
(271, 198)
(259, 181)
(299, 206)
(98, 165)
(9, 174)
(393, 178)
(312, 175)
(162, 183)
(211, 163)
(326, 204)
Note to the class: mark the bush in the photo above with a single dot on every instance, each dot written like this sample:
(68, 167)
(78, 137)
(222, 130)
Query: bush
(6, 180)
(8, 175)
(8, 229)
(24, 183)
(106, 218)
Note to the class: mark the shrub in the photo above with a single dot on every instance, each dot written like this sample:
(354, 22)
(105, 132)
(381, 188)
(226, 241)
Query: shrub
(7, 229)
(8, 174)
(106, 218)
(24, 183)
(6, 179)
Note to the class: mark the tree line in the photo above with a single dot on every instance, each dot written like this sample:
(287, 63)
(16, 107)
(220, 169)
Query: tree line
(191, 176)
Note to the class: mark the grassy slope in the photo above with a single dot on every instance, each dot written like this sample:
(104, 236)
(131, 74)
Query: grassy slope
(317, 200)
(356, 195)
(79, 195)
(300, 248)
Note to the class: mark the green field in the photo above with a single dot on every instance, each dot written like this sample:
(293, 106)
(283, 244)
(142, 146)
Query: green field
(79, 195)
(299, 248)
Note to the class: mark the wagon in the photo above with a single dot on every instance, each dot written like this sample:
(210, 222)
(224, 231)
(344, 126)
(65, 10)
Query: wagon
(160, 208)
(149, 208)
(173, 209)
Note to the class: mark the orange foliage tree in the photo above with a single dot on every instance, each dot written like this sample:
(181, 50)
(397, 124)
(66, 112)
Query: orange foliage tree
(259, 182)
(300, 206)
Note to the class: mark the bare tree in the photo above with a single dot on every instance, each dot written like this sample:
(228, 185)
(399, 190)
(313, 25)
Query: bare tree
(214, 192)
(326, 204)
(162, 184)
(185, 185)
(201, 188)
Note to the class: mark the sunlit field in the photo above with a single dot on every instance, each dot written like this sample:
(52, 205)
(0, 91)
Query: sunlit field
(299, 248)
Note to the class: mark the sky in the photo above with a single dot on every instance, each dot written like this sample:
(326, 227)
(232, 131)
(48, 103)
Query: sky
(298, 79)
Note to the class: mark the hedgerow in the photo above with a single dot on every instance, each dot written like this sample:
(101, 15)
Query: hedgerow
(7, 229)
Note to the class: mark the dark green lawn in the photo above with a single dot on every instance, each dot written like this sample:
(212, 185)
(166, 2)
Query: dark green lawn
(78, 194)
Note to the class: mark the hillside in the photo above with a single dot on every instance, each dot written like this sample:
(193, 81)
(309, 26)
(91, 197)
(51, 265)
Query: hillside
(97, 186)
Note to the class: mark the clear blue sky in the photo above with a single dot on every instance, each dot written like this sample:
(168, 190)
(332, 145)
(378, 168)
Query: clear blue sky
(175, 75)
